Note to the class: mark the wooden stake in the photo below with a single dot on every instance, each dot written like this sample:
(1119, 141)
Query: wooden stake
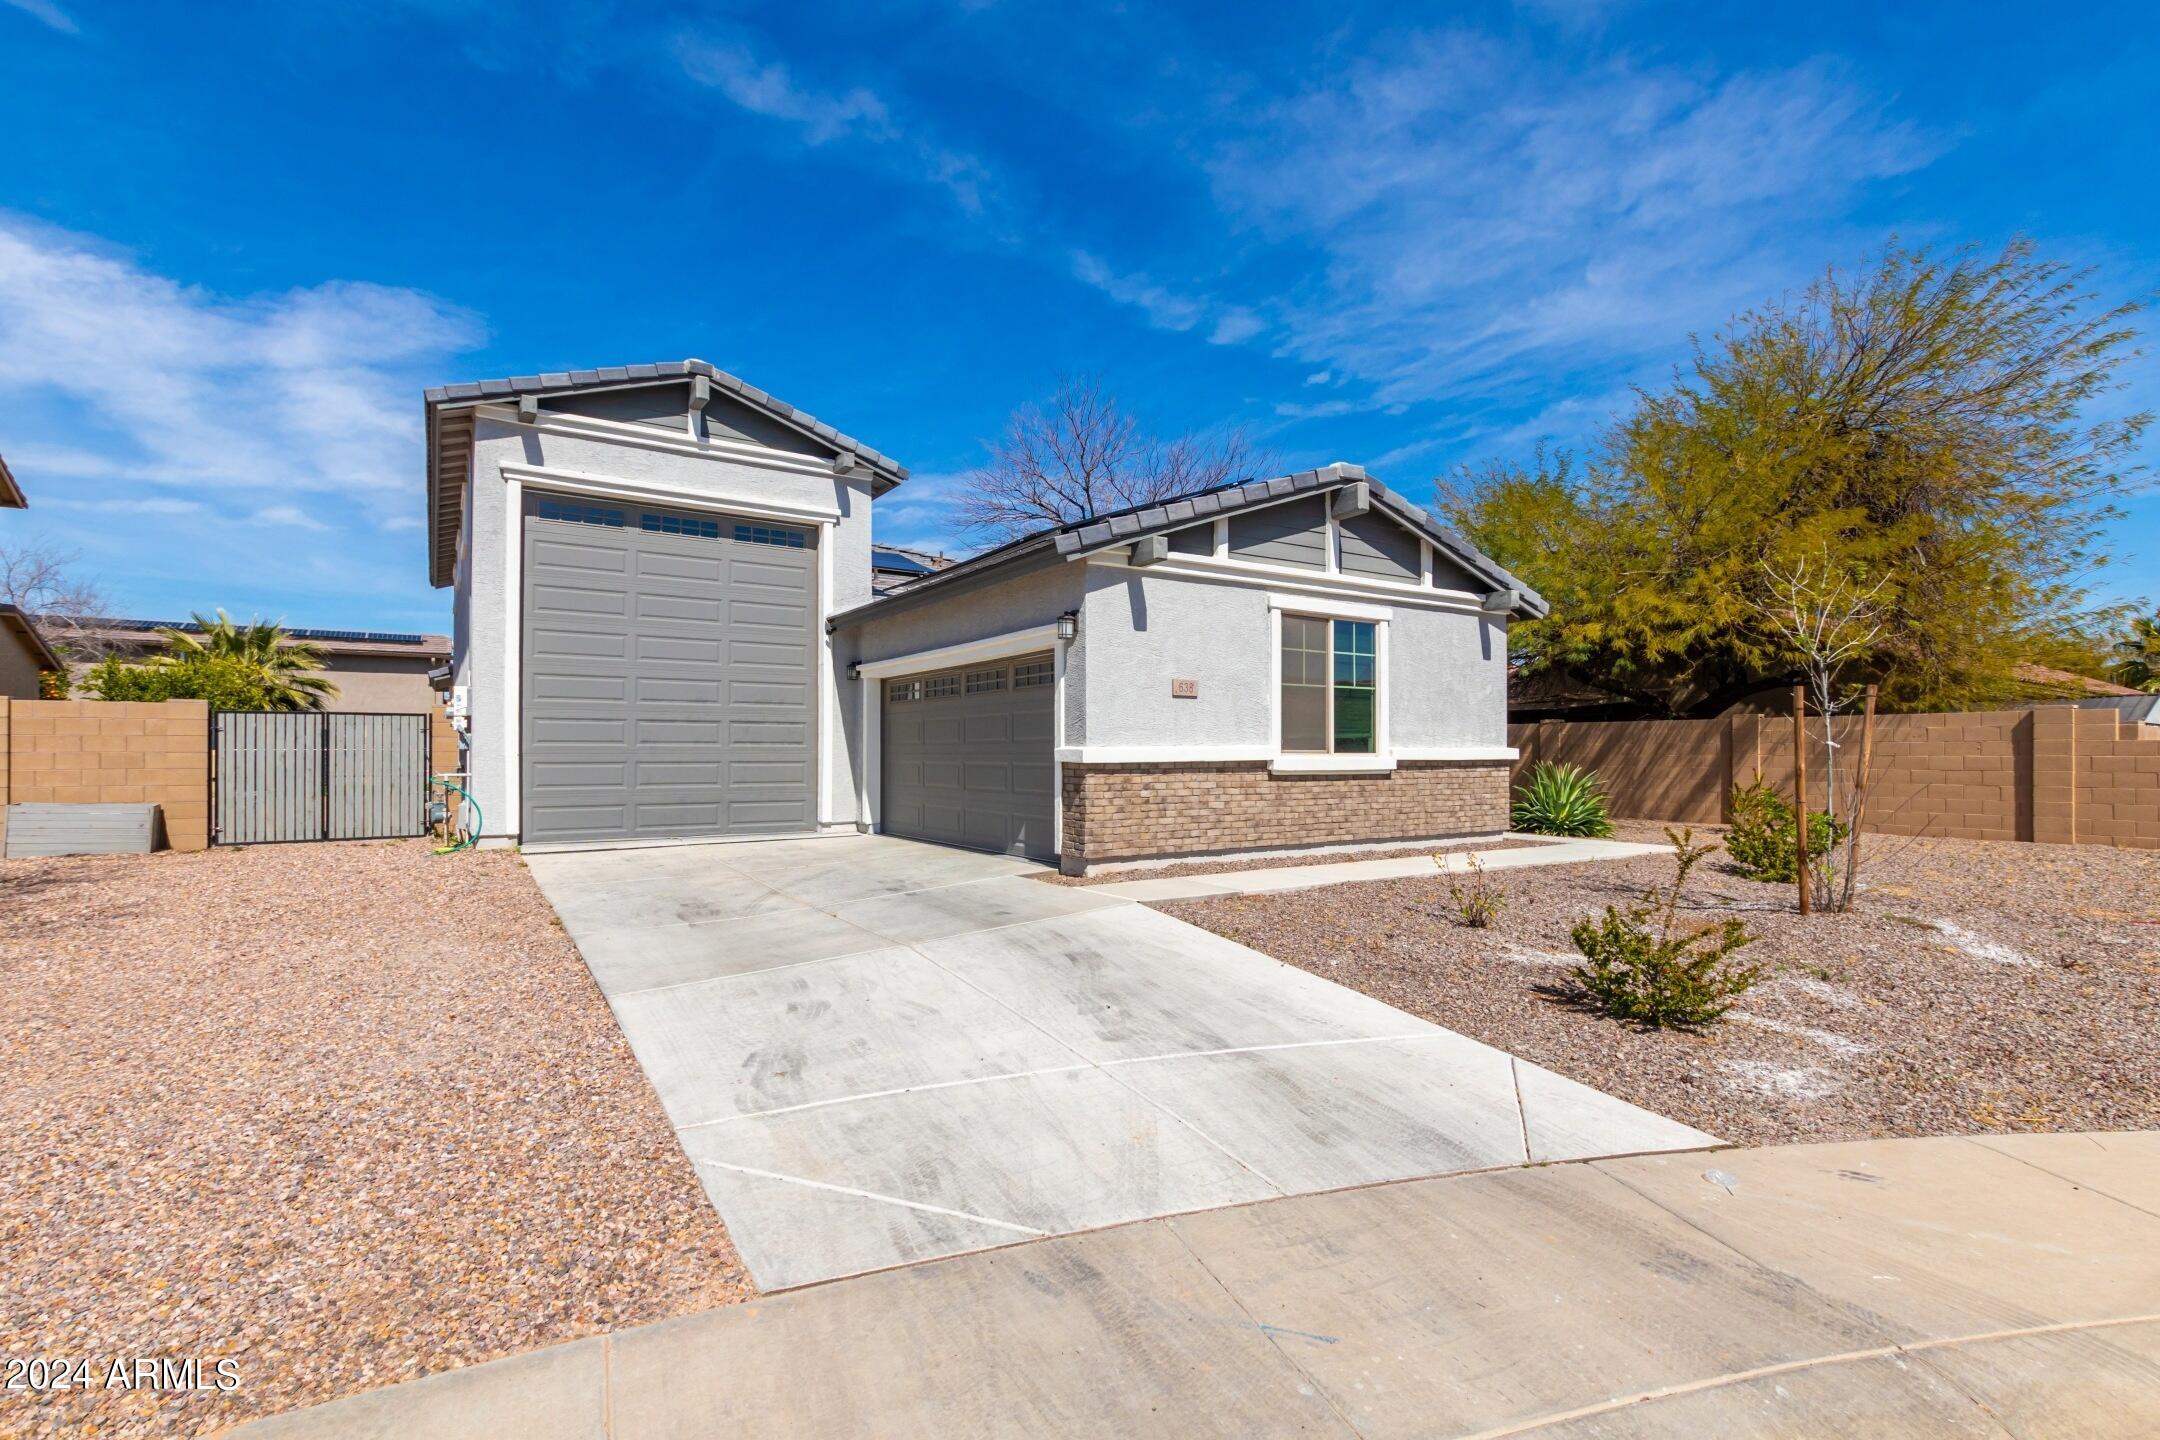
(1859, 804)
(1800, 827)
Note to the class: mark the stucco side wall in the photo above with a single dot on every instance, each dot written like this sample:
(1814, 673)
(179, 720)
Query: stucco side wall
(1445, 681)
(20, 675)
(1037, 597)
(484, 650)
(1143, 631)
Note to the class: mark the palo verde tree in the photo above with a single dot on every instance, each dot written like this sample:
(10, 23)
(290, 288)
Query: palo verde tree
(1930, 420)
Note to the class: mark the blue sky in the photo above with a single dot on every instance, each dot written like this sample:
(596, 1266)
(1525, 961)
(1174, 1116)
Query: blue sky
(237, 240)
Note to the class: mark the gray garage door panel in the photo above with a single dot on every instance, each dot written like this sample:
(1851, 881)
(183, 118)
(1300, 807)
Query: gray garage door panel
(968, 757)
(669, 674)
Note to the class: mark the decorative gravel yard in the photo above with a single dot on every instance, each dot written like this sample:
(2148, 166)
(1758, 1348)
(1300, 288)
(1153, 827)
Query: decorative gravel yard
(1977, 987)
(344, 1114)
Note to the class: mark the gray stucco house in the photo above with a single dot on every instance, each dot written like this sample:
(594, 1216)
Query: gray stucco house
(666, 628)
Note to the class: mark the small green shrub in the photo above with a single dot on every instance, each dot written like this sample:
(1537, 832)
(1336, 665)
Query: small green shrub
(1477, 904)
(228, 684)
(1763, 842)
(1560, 800)
(1636, 968)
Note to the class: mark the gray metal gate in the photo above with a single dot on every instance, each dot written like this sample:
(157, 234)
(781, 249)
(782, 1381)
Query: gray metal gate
(300, 775)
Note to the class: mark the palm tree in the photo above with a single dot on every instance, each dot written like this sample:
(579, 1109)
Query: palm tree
(285, 668)
(2137, 656)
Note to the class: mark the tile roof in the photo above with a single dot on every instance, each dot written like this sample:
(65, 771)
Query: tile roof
(449, 424)
(1121, 527)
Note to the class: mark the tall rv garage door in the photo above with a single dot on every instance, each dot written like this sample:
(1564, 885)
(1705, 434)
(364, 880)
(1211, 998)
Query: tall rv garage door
(670, 673)
(968, 756)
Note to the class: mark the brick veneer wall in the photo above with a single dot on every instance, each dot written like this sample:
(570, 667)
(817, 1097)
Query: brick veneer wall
(2057, 774)
(1147, 812)
(96, 752)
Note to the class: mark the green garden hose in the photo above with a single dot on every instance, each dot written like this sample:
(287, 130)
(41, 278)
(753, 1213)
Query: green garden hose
(474, 833)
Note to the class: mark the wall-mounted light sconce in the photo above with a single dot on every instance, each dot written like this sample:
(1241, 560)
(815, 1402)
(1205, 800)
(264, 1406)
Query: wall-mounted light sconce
(1068, 625)
(854, 672)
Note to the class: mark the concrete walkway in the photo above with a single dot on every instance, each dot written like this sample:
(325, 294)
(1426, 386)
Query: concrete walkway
(1273, 878)
(877, 1051)
(2006, 1287)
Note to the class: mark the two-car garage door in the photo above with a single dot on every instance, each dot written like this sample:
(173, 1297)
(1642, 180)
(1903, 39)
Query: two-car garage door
(670, 683)
(968, 756)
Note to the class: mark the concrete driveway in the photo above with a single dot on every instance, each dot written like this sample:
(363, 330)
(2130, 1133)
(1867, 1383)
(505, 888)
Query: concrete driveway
(1969, 1289)
(878, 1051)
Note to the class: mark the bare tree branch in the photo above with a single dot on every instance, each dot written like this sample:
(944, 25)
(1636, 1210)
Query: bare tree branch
(1824, 617)
(1084, 456)
(37, 578)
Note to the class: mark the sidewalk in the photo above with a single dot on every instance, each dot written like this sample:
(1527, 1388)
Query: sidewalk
(2001, 1286)
(1275, 878)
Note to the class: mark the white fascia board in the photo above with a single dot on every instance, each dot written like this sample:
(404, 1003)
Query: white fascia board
(581, 482)
(1284, 577)
(990, 647)
(646, 437)
(1457, 752)
(1328, 605)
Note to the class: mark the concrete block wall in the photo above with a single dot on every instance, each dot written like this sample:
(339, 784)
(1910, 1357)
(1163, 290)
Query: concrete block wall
(1155, 811)
(89, 752)
(2056, 774)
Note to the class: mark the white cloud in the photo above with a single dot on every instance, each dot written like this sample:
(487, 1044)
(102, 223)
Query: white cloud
(919, 514)
(1482, 219)
(1164, 309)
(825, 117)
(291, 515)
(47, 13)
(313, 389)
(1237, 324)
(127, 505)
(766, 88)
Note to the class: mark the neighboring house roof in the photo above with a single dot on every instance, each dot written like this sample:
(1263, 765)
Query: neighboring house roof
(899, 560)
(143, 634)
(2050, 678)
(26, 630)
(2136, 708)
(1122, 527)
(449, 432)
(11, 495)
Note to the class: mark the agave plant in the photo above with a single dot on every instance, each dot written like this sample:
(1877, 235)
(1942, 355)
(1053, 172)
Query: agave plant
(1560, 800)
(286, 669)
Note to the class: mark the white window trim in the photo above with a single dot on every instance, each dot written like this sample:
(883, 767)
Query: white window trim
(1316, 762)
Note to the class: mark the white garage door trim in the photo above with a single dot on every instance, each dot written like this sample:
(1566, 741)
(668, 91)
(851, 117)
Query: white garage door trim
(815, 704)
(513, 674)
(870, 696)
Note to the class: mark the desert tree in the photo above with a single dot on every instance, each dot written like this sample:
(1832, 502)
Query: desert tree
(1083, 455)
(1824, 618)
(1948, 420)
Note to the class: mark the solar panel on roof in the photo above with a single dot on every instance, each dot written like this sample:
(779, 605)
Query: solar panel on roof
(893, 562)
(298, 632)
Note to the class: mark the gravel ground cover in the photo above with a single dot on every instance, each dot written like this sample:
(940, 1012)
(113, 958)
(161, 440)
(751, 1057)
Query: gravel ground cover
(1977, 987)
(344, 1114)
(1225, 867)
